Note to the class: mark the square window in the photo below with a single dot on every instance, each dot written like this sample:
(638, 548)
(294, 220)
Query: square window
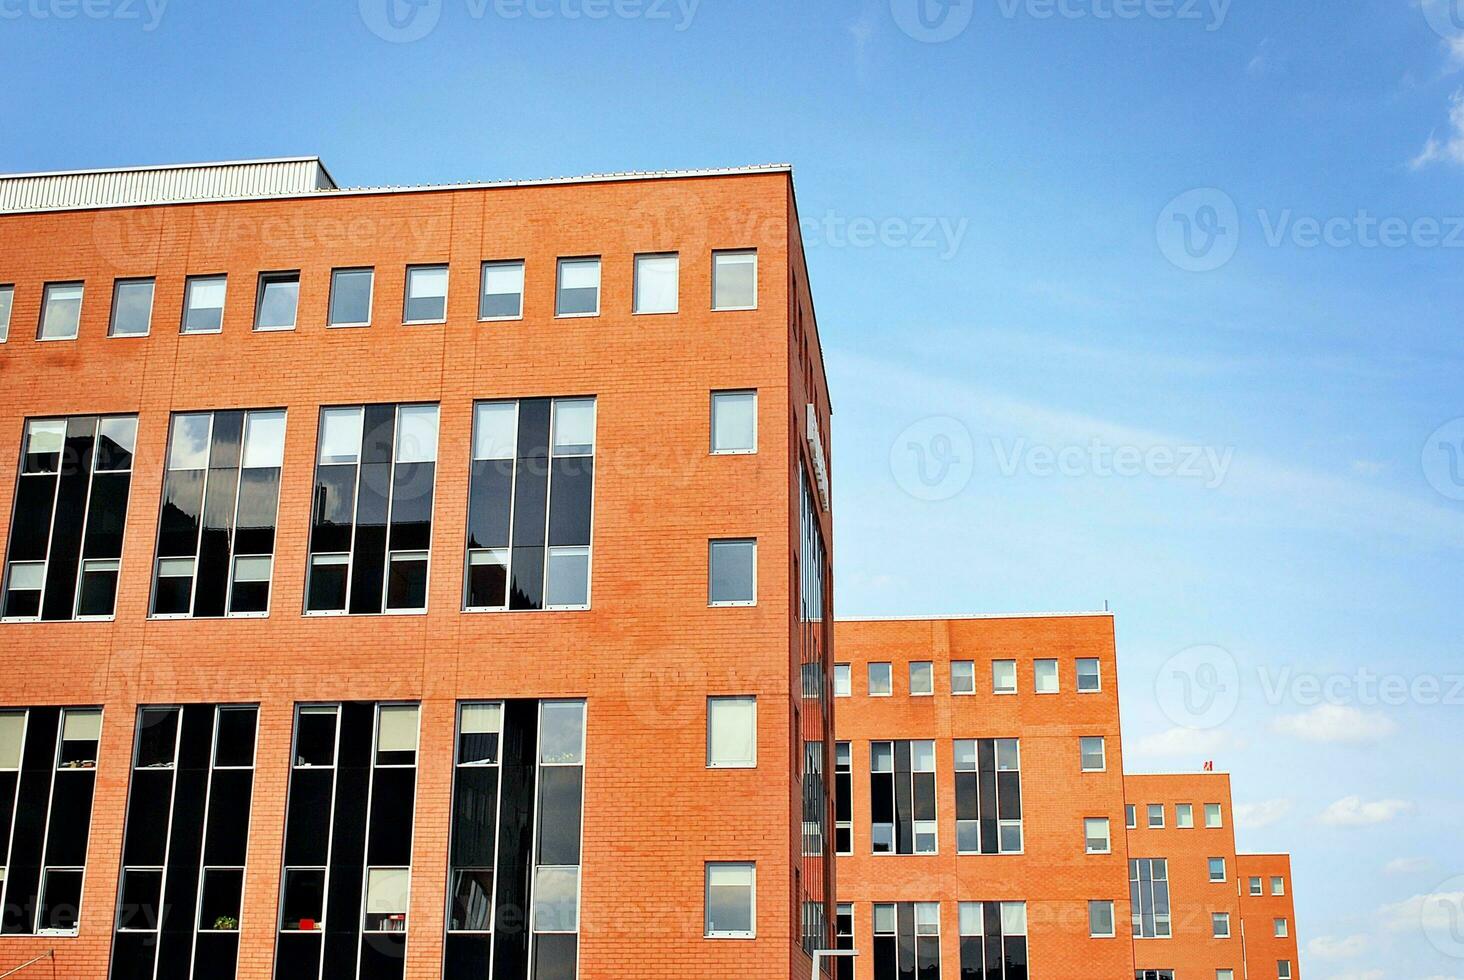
(568, 584)
(1009, 836)
(278, 301)
(562, 733)
(472, 901)
(44, 440)
(1100, 920)
(502, 297)
(189, 442)
(60, 311)
(426, 294)
(578, 292)
(574, 426)
(479, 729)
(326, 590)
(843, 683)
(60, 902)
(173, 591)
(264, 440)
(1096, 835)
(656, 283)
(7, 299)
(1004, 677)
(556, 899)
(397, 734)
(732, 573)
(221, 901)
(340, 435)
(734, 280)
(23, 589)
(1220, 924)
(386, 899)
(406, 582)
(132, 303)
(1212, 816)
(81, 730)
(1092, 750)
(416, 434)
(303, 903)
(881, 684)
(487, 578)
(350, 297)
(315, 736)
(203, 304)
(1217, 869)
(731, 901)
(734, 422)
(1090, 680)
(1184, 816)
(1044, 676)
(1278, 886)
(922, 678)
(963, 677)
(98, 593)
(732, 733)
(1156, 816)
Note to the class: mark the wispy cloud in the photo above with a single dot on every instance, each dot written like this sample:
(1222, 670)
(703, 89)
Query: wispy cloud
(1408, 866)
(1253, 816)
(1338, 948)
(1353, 811)
(1179, 742)
(1335, 723)
(1448, 148)
(1434, 910)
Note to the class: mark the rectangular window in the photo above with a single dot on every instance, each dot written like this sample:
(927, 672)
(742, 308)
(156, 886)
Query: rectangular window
(1255, 886)
(922, 678)
(732, 573)
(185, 841)
(1131, 816)
(386, 900)
(1281, 928)
(350, 297)
(988, 780)
(657, 283)
(731, 901)
(1213, 820)
(1156, 816)
(881, 684)
(1184, 816)
(60, 311)
(734, 422)
(1090, 680)
(530, 506)
(1004, 677)
(734, 280)
(843, 683)
(1283, 970)
(1224, 975)
(502, 297)
(68, 518)
(278, 301)
(1149, 897)
(220, 507)
(1278, 886)
(994, 935)
(132, 303)
(907, 941)
(843, 798)
(844, 939)
(732, 733)
(1044, 676)
(426, 294)
(1220, 925)
(7, 301)
(371, 531)
(203, 304)
(963, 677)
(578, 290)
(1100, 920)
(1096, 836)
(1217, 869)
(903, 797)
(1092, 749)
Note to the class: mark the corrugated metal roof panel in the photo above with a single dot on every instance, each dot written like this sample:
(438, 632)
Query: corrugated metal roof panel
(162, 185)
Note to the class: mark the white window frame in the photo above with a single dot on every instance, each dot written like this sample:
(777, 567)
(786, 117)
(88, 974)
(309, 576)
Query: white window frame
(1112, 919)
(1056, 676)
(7, 289)
(1278, 886)
(266, 278)
(599, 285)
(1283, 970)
(1184, 816)
(1016, 680)
(1219, 817)
(1149, 816)
(715, 699)
(707, 932)
(1280, 927)
(117, 285)
(188, 284)
(868, 679)
(1217, 919)
(636, 279)
(756, 272)
(407, 290)
(1107, 835)
(41, 319)
(712, 433)
(1210, 870)
(370, 297)
(970, 666)
(845, 689)
(731, 603)
(1102, 753)
(483, 281)
(1078, 676)
(930, 672)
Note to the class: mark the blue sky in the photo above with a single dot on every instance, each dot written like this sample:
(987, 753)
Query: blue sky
(1133, 301)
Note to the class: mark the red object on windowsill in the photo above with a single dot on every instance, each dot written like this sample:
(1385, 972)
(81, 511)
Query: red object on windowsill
(307, 925)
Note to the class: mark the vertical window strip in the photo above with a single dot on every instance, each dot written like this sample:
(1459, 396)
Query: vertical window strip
(17, 730)
(988, 796)
(473, 846)
(73, 764)
(300, 945)
(559, 790)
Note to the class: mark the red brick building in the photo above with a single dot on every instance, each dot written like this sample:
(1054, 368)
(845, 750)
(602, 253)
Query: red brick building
(411, 582)
(987, 830)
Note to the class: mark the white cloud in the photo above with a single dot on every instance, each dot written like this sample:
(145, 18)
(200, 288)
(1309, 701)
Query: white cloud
(1365, 975)
(1334, 948)
(1181, 742)
(1253, 816)
(1436, 912)
(1407, 866)
(1450, 148)
(1353, 811)
(1335, 723)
